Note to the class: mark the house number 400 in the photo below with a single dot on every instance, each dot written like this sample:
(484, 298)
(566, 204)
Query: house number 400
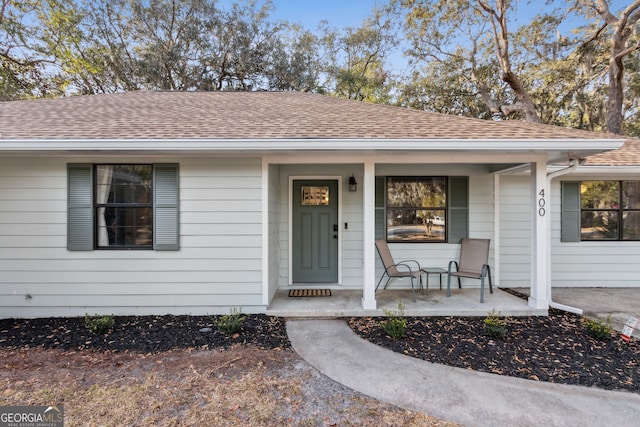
(541, 203)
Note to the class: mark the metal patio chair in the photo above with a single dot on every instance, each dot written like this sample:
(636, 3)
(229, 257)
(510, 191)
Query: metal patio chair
(407, 268)
(473, 264)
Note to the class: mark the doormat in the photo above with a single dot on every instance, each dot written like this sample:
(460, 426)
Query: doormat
(310, 292)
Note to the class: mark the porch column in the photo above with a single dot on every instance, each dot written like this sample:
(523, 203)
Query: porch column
(368, 236)
(540, 210)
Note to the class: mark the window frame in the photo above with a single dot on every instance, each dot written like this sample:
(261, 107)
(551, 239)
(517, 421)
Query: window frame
(413, 211)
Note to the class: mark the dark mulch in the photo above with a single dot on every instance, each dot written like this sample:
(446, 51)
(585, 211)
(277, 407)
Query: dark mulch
(146, 334)
(556, 348)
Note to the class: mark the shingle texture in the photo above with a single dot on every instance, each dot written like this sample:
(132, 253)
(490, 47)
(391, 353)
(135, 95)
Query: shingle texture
(260, 115)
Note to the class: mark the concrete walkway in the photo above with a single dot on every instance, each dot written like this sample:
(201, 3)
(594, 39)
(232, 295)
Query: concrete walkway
(466, 397)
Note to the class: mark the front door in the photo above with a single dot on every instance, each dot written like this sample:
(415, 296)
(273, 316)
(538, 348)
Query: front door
(315, 231)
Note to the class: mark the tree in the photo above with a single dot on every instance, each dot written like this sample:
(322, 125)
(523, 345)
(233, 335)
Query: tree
(171, 39)
(357, 59)
(241, 48)
(26, 63)
(623, 44)
(447, 30)
(298, 62)
(180, 45)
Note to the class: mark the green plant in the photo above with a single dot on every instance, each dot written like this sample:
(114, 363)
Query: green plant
(599, 329)
(493, 326)
(99, 325)
(396, 324)
(230, 324)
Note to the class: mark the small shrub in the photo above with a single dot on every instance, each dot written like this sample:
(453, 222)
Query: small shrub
(396, 324)
(230, 324)
(493, 326)
(599, 329)
(99, 325)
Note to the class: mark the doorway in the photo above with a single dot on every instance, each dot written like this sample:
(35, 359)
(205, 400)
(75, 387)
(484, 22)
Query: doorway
(315, 231)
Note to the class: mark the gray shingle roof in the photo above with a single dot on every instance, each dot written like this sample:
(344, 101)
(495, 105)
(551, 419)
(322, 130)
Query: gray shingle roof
(259, 115)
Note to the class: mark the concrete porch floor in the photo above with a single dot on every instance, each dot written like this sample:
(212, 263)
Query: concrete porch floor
(348, 303)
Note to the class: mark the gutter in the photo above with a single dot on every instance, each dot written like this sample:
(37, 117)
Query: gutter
(573, 165)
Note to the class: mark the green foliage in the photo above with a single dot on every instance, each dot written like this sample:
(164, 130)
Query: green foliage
(99, 325)
(230, 324)
(396, 324)
(599, 329)
(493, 326)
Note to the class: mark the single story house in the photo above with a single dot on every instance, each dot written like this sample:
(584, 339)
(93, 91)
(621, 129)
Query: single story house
(195, 203)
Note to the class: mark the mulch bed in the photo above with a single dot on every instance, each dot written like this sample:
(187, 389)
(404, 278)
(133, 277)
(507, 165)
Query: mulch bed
(556, 348)
(145, 334)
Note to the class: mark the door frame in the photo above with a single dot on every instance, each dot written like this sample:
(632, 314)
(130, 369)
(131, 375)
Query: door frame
(290, 222)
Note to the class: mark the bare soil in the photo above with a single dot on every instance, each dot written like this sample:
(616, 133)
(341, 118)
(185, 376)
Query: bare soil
(178, 371)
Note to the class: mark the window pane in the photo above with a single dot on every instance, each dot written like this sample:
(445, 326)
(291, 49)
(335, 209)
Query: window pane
(599, 225)
(631, 225)
(599, 195)
(631, 194)
(417, 192)
(415, 225)
(131, 184)
(127, 226)
(314, 195)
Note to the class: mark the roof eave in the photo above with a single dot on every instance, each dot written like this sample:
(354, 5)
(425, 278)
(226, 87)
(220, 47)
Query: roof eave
(575, 147)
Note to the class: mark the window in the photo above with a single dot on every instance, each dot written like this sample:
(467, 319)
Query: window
(610, 210)
(416, 209)
(122, 207)
(314, 196)
(422, 209)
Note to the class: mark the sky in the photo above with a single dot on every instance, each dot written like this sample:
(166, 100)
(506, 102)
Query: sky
(339, 13)
(351, 13)
(309, 13)
(343, 13)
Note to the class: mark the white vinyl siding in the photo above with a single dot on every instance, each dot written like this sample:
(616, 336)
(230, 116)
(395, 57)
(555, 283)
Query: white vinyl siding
(515, 231)
(274, 230)
(573, 264)
(217, 267)
(591, 263)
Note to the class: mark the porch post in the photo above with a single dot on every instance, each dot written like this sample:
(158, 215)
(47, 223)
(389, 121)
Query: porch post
(368, 236)
(540, 204)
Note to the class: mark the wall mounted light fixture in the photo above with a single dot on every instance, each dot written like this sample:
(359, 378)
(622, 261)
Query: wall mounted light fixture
(353, 185)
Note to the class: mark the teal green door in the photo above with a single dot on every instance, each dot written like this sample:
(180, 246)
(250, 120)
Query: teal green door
(315, 231)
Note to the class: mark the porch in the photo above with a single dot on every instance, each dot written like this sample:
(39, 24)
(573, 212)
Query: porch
(348, 303)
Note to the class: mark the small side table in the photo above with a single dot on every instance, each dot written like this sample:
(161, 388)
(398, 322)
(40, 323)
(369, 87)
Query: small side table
(434, 270)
